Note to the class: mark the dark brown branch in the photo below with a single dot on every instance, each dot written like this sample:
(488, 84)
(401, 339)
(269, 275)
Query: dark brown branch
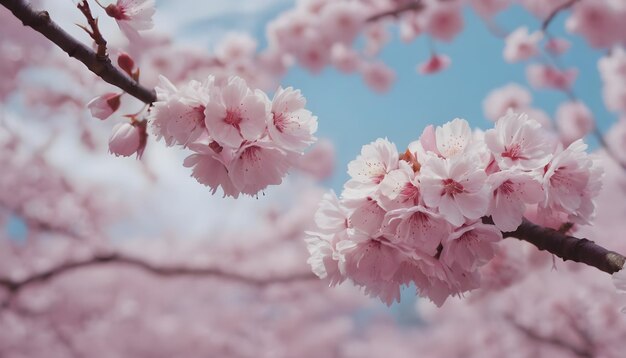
(553, 341)
(568, 247)
(14, 286)
(556, 11)
(41, 22)
(416, 5)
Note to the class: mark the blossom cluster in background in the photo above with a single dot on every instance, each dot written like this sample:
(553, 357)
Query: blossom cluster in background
(418, 216)
(242, 141)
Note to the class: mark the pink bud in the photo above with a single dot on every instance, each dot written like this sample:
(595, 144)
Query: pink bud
(128, 138)
(435, 64)
(557, 46)
(102, 107)
(116, 12)
(126, 63)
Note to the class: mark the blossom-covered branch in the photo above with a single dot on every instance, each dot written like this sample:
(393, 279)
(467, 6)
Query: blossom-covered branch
(568, 247)
(14, 286)
(41, 22)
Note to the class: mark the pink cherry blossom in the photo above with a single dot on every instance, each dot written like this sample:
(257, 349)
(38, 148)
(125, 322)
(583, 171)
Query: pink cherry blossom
(400, 188)
(613, 72)
(235, 48)
(416, 228)
(102, 107)
(342, 21)
(290, 125)
(546, 76)
(488, 8)
(410, 27)
(512, 189)
(557, 46)
(132, 16)
(595, 21)
(453, 138)
(510, 97)
(209, 167)
(257, 165)
(443, 19)
(178, 115)
(128, 139)
(455, 186)
(470, 246)
(521, 45)
(571, 181)
(519, 142)
(235, 114)
(368, 170)
(574, 121)
(344, 58)
(435, 64)
(378, 76)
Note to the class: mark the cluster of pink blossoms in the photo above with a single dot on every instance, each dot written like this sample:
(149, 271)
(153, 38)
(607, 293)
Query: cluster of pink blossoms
(419, 216)
(242, 141)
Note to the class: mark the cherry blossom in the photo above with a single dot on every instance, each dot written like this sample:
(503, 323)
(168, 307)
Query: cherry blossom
(241, 140)
(455, 186)
(509, 97)
(512, 190)
(235, 114)
(435, 64)
(128, 139)
(518, 142)
(102, 107)
(290, 125)
(132, 16)
(546, 76)
(571, 181)
(521, 45)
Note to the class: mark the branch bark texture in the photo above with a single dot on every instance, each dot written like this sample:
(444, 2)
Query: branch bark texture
(569, 247)
(41, 22)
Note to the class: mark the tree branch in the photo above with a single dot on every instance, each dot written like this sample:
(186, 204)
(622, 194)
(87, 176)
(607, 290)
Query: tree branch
(14, 286)
(41, 22)
(567, 247)
(546, 23)
(553, 341)
(416, 5)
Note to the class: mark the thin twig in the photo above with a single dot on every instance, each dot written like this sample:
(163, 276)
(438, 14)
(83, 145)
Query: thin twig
(94, 33)
(548, 20)
(41, 22)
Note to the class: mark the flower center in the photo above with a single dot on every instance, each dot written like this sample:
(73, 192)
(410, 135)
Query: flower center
(514, 152)
(116, 12)
(451, 187)
(233, 118)
(280, 121)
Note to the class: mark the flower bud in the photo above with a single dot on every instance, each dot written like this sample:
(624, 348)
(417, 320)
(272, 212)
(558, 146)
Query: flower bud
(102, 107)
(126, 63)
(128, 138)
